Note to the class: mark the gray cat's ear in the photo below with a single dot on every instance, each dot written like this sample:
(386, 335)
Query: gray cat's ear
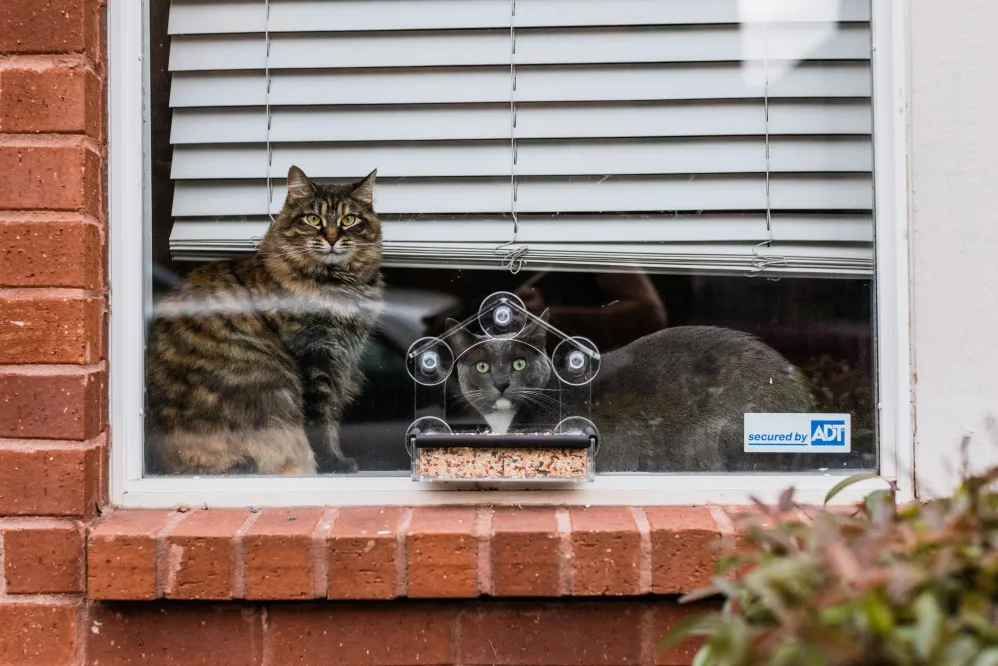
(363, 191)
(534, 333)
(458, 337)
(299, 186)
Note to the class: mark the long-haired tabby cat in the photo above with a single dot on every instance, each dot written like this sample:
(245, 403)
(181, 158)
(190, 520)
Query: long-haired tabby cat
(671, 401)
(250, 363)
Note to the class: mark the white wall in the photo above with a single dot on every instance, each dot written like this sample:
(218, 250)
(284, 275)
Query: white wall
(954, 181)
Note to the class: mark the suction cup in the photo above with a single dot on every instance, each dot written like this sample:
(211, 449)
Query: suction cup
(502, 315)
(428, 425)
(578, 425)
(576, 361)
(429, 361)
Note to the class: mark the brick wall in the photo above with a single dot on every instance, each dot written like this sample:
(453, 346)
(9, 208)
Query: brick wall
(54, 522)
(53, 430)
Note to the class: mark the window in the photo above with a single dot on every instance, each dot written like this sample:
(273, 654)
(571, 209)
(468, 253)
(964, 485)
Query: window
(628, 170)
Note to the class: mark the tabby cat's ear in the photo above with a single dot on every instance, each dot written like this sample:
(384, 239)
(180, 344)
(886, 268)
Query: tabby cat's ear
(299, 186)
(363, 191)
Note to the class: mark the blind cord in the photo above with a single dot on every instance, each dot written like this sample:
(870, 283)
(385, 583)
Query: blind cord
(513, 255)
(270, 151)
(761, 262)
(256, 240)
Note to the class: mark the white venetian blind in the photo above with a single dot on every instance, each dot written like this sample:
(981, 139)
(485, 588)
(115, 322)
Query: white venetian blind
(676, 135)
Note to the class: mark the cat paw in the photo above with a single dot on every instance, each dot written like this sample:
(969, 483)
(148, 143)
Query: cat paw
(344, 466)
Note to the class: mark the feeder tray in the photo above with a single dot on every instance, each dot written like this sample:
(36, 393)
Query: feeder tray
(487, 457)
(562, 452)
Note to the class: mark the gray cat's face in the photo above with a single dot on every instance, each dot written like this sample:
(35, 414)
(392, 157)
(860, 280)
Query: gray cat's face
(499, 378)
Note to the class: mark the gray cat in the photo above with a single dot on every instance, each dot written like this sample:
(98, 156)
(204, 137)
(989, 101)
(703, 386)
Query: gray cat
(672, 401)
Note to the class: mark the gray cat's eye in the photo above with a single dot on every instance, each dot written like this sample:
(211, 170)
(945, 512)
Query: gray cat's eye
(482, 367)
(519, 364)
(313, 220)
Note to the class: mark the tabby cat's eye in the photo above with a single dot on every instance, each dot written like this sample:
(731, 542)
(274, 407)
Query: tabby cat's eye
(348, 221)
(313, 220)
(519, 364)
(482, 367)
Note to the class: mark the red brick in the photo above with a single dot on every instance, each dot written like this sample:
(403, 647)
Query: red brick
(441, 553)
(606, 548)
(43, 557)
(50, 328)
(34, 634)
(51, 99)
(174, 634)
(526, 553)
(684, 544)
(198, 555)
(362, 550)
(279, 554)
(52, 404)
(50, 26)
(669, 613)
(42, 177)
(553, 634)
(50, 480)
(57, 253)
(351, 635)
(121, 555)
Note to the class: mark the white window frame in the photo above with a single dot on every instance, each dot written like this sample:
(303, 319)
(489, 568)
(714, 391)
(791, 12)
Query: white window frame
(129, 188)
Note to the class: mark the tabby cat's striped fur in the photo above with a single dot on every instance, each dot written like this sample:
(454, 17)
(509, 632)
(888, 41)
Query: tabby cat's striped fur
(250, 363)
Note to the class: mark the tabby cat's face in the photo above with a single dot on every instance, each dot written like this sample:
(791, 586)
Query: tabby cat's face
(328, 228)
(500, 378)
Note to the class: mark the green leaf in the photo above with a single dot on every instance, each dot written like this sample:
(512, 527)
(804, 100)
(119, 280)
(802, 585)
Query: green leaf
(987, 658)
(703, 657)
(835, 615)
(851, 481)
(879, 615)
(727, 588)
(880, 504)
(699, 595)
(930, 624)
(960, 651)
(728, 562)
(787, 499)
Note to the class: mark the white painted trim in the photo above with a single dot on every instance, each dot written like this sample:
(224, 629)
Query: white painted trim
(128, 194)
(127, 165)
(894, 360)
(647, 489)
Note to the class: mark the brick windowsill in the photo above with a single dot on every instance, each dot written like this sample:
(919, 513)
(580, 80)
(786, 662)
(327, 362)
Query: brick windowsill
(391, 552)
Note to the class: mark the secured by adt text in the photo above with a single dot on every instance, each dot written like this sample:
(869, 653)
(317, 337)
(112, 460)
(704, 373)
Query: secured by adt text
(784, 433)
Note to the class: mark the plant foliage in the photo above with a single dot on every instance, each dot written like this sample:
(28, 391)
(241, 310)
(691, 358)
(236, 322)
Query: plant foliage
(884, 586)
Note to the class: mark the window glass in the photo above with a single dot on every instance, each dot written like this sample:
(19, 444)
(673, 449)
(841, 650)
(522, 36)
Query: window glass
(687, 187)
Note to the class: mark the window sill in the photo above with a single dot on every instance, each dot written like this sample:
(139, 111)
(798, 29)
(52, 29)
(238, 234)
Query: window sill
(391, 552)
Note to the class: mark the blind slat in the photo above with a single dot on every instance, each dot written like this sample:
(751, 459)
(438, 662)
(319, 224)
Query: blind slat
(652, 228)
(534, 84)
(579, 194)
(192, 17)
(534, 158)
(561, 121)
(724, 258)
(533, 47)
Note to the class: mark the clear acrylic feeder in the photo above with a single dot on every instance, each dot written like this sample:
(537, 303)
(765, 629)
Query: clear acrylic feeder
(550, 438)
